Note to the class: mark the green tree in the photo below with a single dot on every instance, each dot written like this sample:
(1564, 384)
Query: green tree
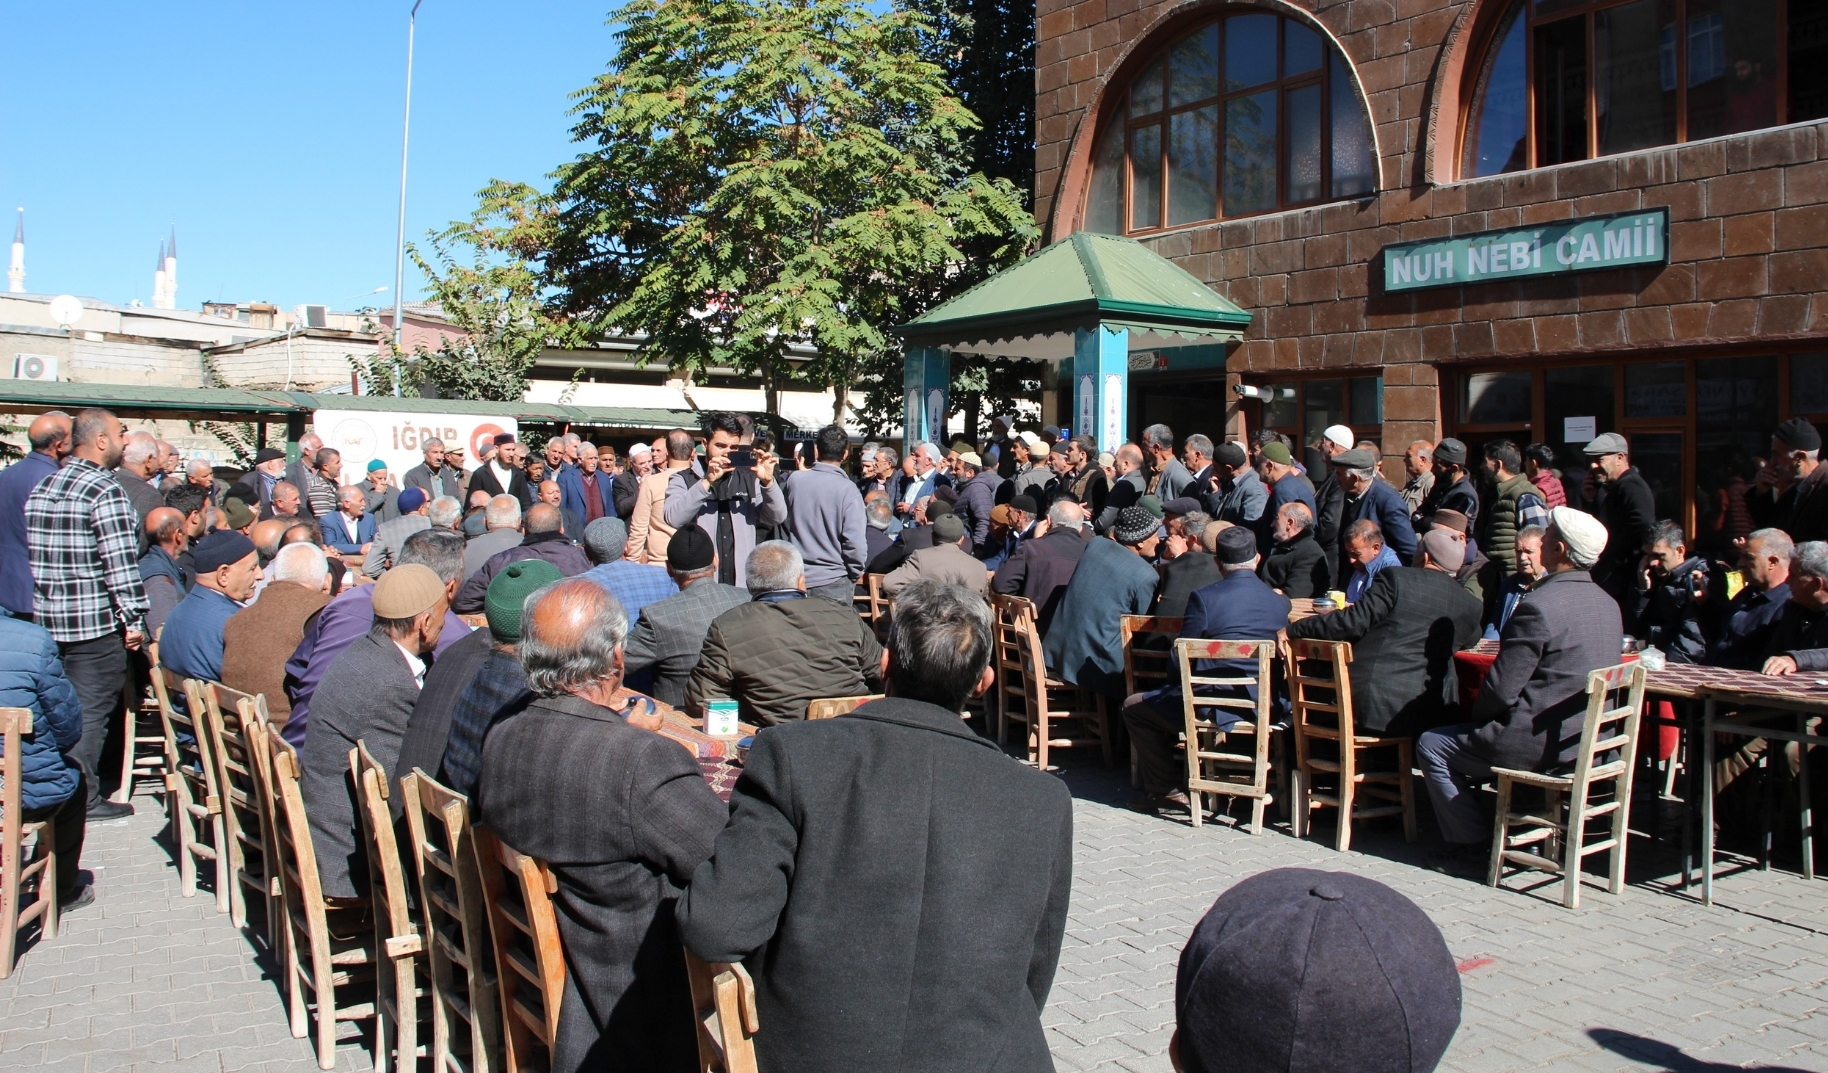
(486, 274)
(772, 172)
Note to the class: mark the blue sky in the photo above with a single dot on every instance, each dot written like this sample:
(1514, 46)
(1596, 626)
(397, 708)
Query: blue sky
(269, 133)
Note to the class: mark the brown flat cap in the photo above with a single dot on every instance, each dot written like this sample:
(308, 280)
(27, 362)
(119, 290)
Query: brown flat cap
(407, 591)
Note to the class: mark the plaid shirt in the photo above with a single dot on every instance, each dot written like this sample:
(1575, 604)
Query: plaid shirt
(81, 529)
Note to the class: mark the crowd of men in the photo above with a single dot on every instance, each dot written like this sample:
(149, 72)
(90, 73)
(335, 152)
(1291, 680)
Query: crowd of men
(517, 628)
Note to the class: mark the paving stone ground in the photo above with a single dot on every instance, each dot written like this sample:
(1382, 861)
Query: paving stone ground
(147, 980)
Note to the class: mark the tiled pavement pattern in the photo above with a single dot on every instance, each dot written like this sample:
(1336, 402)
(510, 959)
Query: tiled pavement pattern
(149, 981)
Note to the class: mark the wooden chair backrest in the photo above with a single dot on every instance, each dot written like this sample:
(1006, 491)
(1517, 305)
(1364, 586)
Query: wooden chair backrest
(292, 844)
(1605, 730)
(723, 998)
(456, 918)
(237, 777)
(15, 724)
(1151, 665)
(831, 707)
(1334, 683)
(528, 951)
(386, 876)
(1013, 617)
(1188, 651)
(200, 752)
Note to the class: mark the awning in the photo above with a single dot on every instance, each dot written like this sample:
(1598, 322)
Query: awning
(1032, 309)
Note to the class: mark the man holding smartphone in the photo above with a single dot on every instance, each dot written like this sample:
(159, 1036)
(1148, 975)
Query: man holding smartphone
(737, 493)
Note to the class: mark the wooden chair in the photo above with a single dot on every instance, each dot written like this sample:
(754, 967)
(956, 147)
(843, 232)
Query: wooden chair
(723, 999)
(871, 605)
(1328, 694)
(831, 707)
(198, 803)
(142, 745)
(330, 944)
(246, 824)
(1606, 754)
(1145, 668)
(1056, 715)
(22, 874)
(466, 1007)
(1212, 768)
(397, 990)
(528, 952)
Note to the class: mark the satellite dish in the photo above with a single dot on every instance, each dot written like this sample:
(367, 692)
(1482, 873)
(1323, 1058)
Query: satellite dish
(66, 309)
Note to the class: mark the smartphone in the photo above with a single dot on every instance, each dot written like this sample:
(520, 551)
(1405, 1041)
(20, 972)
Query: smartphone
(742, 458)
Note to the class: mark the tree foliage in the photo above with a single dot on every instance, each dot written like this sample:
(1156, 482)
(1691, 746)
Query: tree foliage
(486, 274)
(771, 172)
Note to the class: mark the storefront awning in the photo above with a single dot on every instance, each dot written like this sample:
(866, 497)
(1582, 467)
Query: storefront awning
(1033, 309)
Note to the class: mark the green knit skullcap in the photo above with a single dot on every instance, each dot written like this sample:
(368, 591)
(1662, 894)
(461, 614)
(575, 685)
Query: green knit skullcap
(509, 592)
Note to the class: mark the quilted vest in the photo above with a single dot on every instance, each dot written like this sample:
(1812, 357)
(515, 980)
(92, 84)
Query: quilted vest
(1501, 522)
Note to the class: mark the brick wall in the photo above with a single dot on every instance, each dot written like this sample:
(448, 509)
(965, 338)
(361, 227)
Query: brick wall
(1748, 218)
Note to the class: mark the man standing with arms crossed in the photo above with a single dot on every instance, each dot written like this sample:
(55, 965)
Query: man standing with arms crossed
(84, 545)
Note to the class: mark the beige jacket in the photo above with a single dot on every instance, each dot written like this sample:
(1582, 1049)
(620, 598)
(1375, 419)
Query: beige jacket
(946, 563)
(648, 533)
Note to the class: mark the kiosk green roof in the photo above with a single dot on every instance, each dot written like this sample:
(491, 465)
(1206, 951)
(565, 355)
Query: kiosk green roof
(1032, 309)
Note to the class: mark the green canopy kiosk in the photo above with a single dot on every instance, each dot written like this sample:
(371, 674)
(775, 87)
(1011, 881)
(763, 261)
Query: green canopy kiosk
(1085, 303)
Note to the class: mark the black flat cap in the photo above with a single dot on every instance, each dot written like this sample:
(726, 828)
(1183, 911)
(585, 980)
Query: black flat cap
(1296, 970)
(1800, 435)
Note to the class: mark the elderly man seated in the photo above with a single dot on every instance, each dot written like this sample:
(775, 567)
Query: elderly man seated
(633, 584)
(1404, 631)
(1193, 542)
(260, 638)
(623, 815)
(949, 560)
(1237, 607)
(367, 696)
(1530, 709)
(1084, 645)
(1297, 565)
(414, 516)
(543, 540)
(1041, 568)
(349, 529)
(162, 570)
(670, 634)
(1528, 550)
(227, 568)
(502, 531)
(781, 651)
(893, 868)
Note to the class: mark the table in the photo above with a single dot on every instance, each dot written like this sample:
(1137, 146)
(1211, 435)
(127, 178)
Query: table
(1796, 697)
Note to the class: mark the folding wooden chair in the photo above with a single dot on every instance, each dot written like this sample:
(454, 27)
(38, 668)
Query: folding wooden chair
(1328, 694)
(1607, 754)
(248, 838)
(723, 999)
(198, 803)
(831, 707)
(142, 745)
(1211, 767)
(330, 944)
(396, 938)
(528, 952)
(1056, 715)
(466, 1007)
(22, 874)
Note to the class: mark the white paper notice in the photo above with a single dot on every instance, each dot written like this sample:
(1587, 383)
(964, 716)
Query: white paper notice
(1579, 429)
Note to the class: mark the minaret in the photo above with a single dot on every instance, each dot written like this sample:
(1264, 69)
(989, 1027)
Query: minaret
(158, 280)
(15, 272)
(171, 270)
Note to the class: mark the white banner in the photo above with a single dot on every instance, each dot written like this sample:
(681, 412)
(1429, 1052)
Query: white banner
(395, 438)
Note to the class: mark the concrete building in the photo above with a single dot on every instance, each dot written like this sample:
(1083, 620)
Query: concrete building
(1363, 175)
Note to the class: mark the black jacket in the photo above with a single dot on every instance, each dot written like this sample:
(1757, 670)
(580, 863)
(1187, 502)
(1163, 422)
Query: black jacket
(1404, 631)
(1329, 505)
(1040, 570)
(623, 816)
(429, 729)
(899, 890)
(1298, 567)
(1183, 577)
(482, 479)
(1629, 512)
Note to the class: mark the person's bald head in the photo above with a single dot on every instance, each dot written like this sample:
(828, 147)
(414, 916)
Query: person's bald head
(543, 518)
(266, 534)
(50, 434)
(1129, 458)
(165, 529)
(549, 492)
(571, 640)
